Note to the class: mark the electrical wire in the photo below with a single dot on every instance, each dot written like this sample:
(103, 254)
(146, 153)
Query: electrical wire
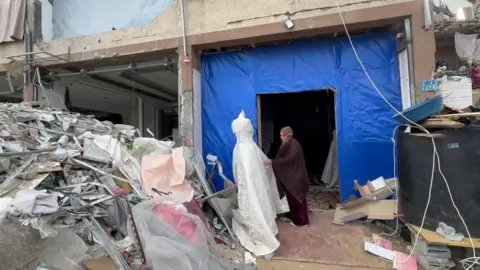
(396, 182)
(436, 158)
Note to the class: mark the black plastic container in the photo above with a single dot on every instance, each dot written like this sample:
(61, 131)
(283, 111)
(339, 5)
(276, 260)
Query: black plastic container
(459, 152)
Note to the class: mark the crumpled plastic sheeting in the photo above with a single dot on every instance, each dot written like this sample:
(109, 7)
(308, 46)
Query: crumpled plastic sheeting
(449, 233)
(164, 242)
(5, 204)
(330, 170)
(121, 158)
(35, 202)
(231, 81)
(73, 18)
(143, 146)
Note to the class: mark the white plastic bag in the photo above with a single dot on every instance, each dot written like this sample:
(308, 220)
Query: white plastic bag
(5, 203)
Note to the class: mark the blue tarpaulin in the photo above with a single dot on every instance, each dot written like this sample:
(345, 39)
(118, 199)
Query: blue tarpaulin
(231, 81)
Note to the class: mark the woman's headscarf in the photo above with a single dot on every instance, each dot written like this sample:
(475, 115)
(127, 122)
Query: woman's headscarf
(287, 131)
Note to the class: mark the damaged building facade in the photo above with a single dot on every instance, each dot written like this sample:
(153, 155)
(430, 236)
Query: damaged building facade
(187, 68)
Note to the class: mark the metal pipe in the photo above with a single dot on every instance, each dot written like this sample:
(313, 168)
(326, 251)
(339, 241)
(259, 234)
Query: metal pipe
(12, 57)
(112, 70)
(12, 176)
(139, 193)
(9, 80)
(140, 115)
(104, 88)
(411, 70)
(182, 12)
(16, 154)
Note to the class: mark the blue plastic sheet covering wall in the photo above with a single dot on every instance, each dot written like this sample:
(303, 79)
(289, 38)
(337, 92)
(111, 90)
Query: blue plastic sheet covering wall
(231, 81)
(73, 18)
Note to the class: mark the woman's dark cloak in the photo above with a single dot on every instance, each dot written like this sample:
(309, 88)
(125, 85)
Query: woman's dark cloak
(291, 171)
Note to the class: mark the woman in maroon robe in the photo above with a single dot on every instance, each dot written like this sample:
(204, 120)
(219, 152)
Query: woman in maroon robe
(292, 177)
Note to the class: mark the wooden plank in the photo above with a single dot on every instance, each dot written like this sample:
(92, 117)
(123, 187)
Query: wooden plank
(441, 123)
(456, 115)
(427, 135)
(433, 238)
(335, 91)
(259, 122)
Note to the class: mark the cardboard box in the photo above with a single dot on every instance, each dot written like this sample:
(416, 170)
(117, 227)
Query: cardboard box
(376, 184)
(379, 194)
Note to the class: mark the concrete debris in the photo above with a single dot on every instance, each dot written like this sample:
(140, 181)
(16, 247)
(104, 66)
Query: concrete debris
(59, 253)
(66, 181)
(20, 246)
(432, 256)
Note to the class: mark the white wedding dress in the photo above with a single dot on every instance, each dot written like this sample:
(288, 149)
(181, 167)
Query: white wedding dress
(258, 198)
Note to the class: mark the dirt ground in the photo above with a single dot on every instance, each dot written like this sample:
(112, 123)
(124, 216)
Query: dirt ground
(322, 198)
(293, 265)
(324, 245)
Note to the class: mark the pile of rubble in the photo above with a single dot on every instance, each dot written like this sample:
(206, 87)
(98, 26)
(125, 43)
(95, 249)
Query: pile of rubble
(74, 192)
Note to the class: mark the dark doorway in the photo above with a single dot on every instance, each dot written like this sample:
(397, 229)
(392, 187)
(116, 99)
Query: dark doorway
(168, 122)
(310, 114)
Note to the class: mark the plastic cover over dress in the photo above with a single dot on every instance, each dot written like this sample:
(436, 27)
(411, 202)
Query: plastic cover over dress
(175, 237)
(258, 198)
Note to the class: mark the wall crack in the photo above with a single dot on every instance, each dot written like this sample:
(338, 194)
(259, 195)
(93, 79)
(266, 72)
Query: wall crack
(288, 14)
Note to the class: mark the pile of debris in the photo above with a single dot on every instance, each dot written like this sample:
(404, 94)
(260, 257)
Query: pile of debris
(75, 191)
(374, 203)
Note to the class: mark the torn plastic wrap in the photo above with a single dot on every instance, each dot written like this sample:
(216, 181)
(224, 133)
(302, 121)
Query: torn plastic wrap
(172, 238)
(330, 170)
(175, 237)
(231, 81)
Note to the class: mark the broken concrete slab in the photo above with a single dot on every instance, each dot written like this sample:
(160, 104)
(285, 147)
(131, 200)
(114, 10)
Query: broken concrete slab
(20, 246)
(66, 251)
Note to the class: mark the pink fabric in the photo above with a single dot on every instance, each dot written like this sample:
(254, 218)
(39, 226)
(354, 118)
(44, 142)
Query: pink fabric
(177, 220)
(380, 241)
(166, 173)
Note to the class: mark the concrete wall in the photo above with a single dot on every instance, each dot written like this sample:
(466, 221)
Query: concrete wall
(9, 49)
(84, 17)
(214, 24)
(211, 21)
(206, 16)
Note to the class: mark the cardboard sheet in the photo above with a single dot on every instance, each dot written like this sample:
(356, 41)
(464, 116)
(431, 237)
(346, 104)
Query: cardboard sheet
(382, 210)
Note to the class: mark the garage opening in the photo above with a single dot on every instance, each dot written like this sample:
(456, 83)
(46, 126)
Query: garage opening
(311, 115)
